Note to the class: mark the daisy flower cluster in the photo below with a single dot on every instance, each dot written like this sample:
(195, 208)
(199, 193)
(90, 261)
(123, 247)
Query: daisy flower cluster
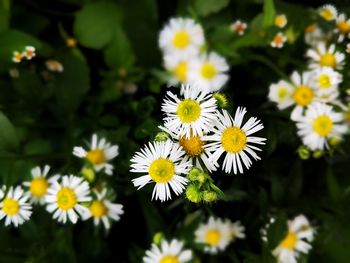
(182, 43)
(28, 53)
(296, 241)
(67, 197)
(197, 134)
(314, 96)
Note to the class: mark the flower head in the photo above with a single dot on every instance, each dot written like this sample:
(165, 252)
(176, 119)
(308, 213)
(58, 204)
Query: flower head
(178, 67)
(54, 65)
(343, 27)
(17, 57)
(328, 12)
(278, 40)
(239, 27)
(326, 80)
(325, 57)
(281, 93)
(29, 52)
(281, 21)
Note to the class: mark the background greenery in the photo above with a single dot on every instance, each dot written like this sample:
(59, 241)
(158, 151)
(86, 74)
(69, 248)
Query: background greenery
(44, 115)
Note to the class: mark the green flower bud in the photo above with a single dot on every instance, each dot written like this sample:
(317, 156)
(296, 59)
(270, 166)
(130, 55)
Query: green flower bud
(193, 174)
(161, 137)
(88, 174)
(157, 238)
(193, 194)
(317, 154)
(334, 141)
(210, 196)
(221, 100)
(304, 152)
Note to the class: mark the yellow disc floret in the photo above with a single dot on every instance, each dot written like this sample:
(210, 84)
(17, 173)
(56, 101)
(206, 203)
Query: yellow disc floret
(10, 206)
(96, 156)
(290, 241)
(323, 125)
(193, 145)
(161, 170)
(328, 60)
(188, 110)
(66, 198)
(324, 81)
(213, 237)
(181, 39)
(98, 209)
(233, 139)
(38, 186)
(169, 259)
(181, 71)
(303, 95)
(208, 71)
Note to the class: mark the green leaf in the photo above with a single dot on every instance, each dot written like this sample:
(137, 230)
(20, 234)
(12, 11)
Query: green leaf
(118, 52)
(269, 13)
(334, 189)
(73, 83)
(95, 24)
(4, 15)
(277, 231)
(8, 138)
(207, 7)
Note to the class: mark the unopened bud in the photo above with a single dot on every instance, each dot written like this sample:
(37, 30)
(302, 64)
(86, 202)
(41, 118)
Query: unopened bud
(317, 154)
(193, 194)
(161, 137)
(334, 141)
(304, 152)
(221, 100)
(157, 238)
(88, 174)
(210, 196)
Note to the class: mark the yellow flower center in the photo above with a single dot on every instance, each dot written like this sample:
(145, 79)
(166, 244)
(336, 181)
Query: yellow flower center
(303, 95)
(188, 110)
(96, 156)
(208, 71)
(233, 139)
(328, 60)
(280, 21)
(10, 206)
(310, 28)
(193, 145)
(322, 125)
(169, 259)
(29, 53)
(282, 93)
(161, 170)
(324, 81)
(289, 241)
(343, 27)
(278, 39)
(181, 39)
(213, 237)
(18, 56)
(181, 71)
(38, 186)
(327, 14)
(98, 209)
(66, 198)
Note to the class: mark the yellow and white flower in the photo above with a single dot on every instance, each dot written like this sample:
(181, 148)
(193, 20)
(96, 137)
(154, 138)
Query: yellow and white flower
(64, 198)
(209, 72)
(193, 114)
(325, 57)
(328, 12)
(14, 206)
(314, 35)
(300, 233)
(101, 209)
(162, 163)
(99, 154)
(29, 52)
(278, 40)
(239, 27)
(281, 20)
(320, 124)
(347, 48)
(326, 80)
(218, 233)
(281, 93)
(182, 36)
(168, 252)
(343, 27)
(178, 67)
(39, 184)
(54, 65)
(17, 57)
(233, 139)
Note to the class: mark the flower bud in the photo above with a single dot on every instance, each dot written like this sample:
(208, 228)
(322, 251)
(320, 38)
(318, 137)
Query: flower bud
(317, 154)
(88, 174)
(193, 194)
(221, 100)
(161, 137)
(304, 152)
(157, 238)
(210, 196)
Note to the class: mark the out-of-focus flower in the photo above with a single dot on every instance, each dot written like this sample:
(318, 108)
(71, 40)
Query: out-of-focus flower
(178, 66)
(71, 42)
(326, 80)
(328, 12)
(14, 73)
(343, 27)
(325, 57)
(281, 93)
(314, 35)
(278, 40)
(29, 52)
(17, 57)
(281, 21)
(54, 65)
(239, 27)
(348, 48)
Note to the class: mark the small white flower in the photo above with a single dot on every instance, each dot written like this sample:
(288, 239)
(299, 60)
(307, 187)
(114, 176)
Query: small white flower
(182, 36)
(14, 207)
(99, 154)
(64, 198)
(17, 57)
(326, 80)
(162, 163)
(281, 20)
(296, 241)
(178, 67)
(54, 65)
(168, 252)
(39, 184)
(281, 93)
(343, 27)
(101, 209)
(319, 124)
(314, 35)
(234, 140)
(218, 233)
(29, 52)
(278, 40)
(193, 114)
(325, 57)
(209, 72)
(239, 27)
(328, 12)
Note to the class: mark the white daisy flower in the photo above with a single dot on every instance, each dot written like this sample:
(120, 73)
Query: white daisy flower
(194, 113)
(296, 241)
(54, 65)
(326, 80)
(17, 57)
(64, 199)
(343, 27)
(99, 154)
(168, 252)
(319, 124)
(239, 27)
(234, 141)
(14, 206)
(162, 163)
(29, 52)
(101, 209)
(347, 48)
(323, 57)
(281, 21)
(182, 36)
(178, 67)
(314, 35)
(39, 184)
(328, 12)
(217, 234)
(281, 93)
(195, 149)
(278, 40)
(209, 72)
